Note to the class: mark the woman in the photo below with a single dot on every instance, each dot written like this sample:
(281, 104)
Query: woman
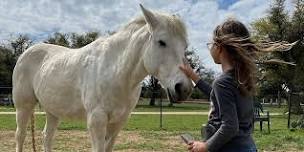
(230, 121)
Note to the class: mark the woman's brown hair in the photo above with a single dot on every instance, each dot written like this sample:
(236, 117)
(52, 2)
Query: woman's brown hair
(235, 38)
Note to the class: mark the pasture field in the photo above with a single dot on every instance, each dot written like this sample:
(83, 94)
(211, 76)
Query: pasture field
(143, 134)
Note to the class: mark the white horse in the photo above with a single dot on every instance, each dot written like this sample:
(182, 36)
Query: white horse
(100, 83)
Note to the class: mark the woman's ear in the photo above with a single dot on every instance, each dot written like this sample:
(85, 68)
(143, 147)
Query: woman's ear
(221, 49)
(222, 53)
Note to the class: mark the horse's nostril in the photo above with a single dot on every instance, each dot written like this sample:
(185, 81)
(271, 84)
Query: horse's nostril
(178, 88)
(181, 91)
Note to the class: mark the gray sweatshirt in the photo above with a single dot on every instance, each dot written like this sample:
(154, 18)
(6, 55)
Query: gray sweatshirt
(231, 114)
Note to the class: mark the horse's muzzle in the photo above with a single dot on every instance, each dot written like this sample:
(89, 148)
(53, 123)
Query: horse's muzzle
(177, 96)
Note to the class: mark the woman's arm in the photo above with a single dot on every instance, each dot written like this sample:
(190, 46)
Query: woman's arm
(226, 99)
(203, 86)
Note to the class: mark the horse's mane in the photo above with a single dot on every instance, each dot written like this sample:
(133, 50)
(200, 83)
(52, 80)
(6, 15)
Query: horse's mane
(175, 25)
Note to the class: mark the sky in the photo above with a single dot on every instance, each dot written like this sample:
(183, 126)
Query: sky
(41, 18)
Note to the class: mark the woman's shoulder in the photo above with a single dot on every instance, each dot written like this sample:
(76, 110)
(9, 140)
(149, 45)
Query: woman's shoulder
(225, 80)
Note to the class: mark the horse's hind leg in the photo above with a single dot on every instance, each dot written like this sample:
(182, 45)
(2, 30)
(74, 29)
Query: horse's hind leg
(24, 102)
(23, 114)
(49, 131)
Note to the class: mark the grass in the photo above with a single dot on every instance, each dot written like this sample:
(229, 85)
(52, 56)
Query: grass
(143, 106)
(147, 126)
(135, 123)
(6, 109)
(183, 107)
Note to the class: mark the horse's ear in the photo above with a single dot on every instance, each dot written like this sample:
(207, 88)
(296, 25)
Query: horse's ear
(149, 17)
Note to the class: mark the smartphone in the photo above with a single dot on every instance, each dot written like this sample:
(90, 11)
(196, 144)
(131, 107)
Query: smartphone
(187, 138)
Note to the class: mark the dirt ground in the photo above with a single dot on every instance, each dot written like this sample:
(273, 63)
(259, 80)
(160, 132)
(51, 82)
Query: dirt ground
(78, 141)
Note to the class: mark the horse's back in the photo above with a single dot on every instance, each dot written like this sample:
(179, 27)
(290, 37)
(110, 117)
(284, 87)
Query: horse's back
(27, 66)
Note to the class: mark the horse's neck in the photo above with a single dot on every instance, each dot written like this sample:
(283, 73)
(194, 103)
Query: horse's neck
(128, 49)
(132, 66)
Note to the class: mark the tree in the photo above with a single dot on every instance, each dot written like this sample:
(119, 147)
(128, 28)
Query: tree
(273, 28)
(207, 75)
(6, 62)
(80, 40)
(61, 39)
(155, 88)
(9, 55)
(20, 44)
(297, 34)
(278, 26)
(72, 40)
(193, 59)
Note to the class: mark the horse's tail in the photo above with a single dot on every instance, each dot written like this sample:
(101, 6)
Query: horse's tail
(33, 131)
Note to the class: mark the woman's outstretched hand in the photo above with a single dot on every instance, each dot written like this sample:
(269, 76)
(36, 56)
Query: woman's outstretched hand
(186, 68)
(197, 146)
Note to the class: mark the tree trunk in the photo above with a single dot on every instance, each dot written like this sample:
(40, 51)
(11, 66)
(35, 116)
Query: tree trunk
(295, 105)
(155, 88)
(279, 99)
(152, 100)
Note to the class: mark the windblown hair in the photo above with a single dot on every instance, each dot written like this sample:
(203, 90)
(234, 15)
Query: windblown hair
(235, 38)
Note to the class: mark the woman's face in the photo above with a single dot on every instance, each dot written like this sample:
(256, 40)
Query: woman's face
(215, 53)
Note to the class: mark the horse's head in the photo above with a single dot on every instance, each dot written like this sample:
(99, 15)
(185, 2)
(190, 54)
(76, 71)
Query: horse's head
(165, 51)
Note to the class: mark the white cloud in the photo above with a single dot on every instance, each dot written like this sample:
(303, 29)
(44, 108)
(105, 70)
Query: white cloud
(41, 18)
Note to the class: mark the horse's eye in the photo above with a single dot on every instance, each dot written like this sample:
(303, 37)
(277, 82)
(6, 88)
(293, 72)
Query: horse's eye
(162, 43)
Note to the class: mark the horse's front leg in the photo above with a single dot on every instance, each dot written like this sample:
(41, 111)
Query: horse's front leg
(112, 132)
(97, 125)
